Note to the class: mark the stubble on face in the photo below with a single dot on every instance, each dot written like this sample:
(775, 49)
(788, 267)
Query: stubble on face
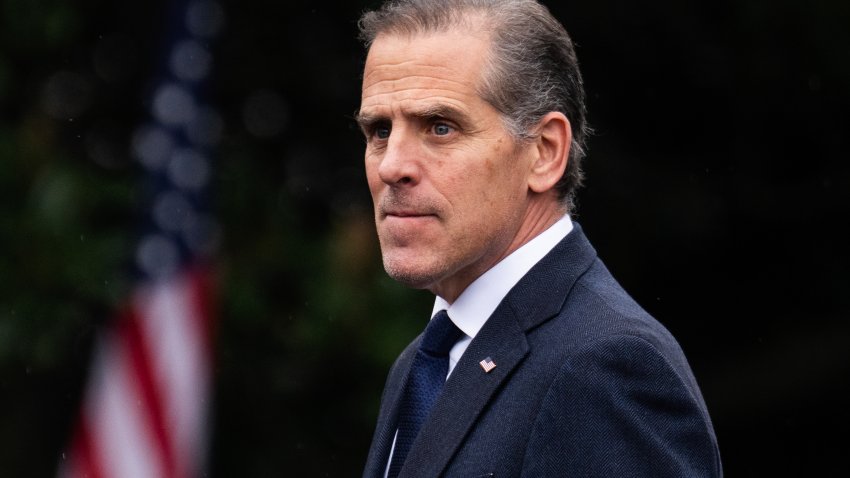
(392, 239)
(480, 232)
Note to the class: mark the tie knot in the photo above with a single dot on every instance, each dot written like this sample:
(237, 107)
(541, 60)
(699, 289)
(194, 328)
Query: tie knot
(440, 335)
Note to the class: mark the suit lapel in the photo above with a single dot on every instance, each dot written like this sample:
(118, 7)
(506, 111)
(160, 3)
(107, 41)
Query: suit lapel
(541, 294)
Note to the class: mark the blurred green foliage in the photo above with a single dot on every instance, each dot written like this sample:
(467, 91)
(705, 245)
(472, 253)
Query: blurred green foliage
(66, 223)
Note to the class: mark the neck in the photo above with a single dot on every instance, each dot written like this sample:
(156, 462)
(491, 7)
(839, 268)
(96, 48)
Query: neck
(542, 212)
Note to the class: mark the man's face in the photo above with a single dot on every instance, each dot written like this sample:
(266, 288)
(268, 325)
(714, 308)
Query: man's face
(449, 183)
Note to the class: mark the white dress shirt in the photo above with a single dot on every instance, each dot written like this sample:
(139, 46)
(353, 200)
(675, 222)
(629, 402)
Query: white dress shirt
(475, 304)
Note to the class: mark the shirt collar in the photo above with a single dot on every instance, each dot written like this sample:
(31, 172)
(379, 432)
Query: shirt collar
(475, 304)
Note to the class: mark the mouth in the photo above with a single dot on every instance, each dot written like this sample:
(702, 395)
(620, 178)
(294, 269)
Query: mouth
(405, 214)
(405, 226)
(394, 207)
(406, 211)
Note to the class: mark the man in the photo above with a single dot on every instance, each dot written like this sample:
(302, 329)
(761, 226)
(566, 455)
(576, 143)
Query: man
(473, 113)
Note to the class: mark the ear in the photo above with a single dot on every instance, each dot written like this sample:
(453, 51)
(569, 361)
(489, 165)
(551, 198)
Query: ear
(552, 145)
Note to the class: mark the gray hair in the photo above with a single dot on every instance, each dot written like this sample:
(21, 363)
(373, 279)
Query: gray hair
(532, 69)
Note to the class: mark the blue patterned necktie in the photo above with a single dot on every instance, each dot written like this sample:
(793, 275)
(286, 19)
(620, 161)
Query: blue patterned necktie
(427, 376)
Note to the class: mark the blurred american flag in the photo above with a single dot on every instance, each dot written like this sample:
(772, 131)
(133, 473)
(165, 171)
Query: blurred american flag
(144, 413)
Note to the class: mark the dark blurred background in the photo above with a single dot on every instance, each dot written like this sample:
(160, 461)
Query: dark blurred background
(718, 192)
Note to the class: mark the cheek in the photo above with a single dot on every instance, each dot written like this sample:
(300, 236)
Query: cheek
(372, 177)
(500, 177)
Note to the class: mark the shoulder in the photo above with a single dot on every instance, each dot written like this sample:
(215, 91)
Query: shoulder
(621, 384)
(628, 412)
(597, 311)
(601, 328)
(595, 306)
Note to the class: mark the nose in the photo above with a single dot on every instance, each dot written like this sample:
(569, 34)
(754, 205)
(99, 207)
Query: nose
(399, 164)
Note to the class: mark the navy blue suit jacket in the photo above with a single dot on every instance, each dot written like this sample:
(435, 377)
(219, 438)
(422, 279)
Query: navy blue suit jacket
(586, 384)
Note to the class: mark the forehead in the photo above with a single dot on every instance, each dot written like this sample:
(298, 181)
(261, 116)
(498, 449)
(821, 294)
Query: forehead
(443, 66)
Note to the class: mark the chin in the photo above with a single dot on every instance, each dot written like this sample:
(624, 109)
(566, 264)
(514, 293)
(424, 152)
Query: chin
(410, 275)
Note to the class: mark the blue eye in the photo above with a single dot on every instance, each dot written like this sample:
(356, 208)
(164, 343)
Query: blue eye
(382, 132)
(442, 129)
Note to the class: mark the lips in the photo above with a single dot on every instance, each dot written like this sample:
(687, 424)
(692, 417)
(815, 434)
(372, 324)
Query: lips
(404, 206)
(411, 214)
(391, 208)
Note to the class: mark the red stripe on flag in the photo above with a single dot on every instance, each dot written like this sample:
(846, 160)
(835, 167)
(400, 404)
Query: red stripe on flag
(82, 461)
(139, 354)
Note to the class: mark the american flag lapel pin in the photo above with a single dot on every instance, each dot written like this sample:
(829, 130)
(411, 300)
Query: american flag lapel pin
(487, 364)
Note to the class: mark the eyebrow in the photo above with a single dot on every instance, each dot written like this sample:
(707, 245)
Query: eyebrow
(367, 121)
(440, 110)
